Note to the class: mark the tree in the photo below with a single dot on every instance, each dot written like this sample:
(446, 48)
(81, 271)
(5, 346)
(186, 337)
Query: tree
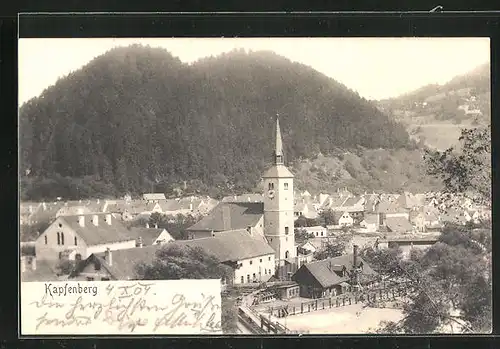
(333, 248)
(385, 261)
(328, 217)
(302, 235)
(465, 169)
(173, 262)
(176, 226)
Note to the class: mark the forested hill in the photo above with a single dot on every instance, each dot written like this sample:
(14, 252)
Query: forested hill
(137, 119)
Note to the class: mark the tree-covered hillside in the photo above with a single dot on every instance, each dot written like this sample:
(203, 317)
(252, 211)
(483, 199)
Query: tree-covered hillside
(138, 119)
(435, 114)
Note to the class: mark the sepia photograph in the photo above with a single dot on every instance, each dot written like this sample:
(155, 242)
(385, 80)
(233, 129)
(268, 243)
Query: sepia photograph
(255, 186)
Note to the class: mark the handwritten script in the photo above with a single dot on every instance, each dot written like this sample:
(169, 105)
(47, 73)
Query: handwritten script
(121, 307)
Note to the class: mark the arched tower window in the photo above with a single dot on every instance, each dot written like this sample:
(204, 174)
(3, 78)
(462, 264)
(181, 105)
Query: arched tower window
(76, 241)
(62, 238)
(45, 239)
(271, 186)
(58, 238)
(287, 254)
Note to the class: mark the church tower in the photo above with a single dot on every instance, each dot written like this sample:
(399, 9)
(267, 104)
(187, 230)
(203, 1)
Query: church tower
(278, 205)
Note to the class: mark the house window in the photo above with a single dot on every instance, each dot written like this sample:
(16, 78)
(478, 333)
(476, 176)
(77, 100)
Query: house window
(271, 186)
(287, 254)
(104, 279)
(265, 271)
(248, 277)
(45, 239)
(62, 238)
(76, 241)
(286, 230)
(90, 278)
(60, 255)
(58, 238)
(254, 278)
(250, 262)
(286, 186)
(269, 271)
(78, 257)
(60, 225)
(269, 258)
(321, 233)
(261, 260)
(242, 279)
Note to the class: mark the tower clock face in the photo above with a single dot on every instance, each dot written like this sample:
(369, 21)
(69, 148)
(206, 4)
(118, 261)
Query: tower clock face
(270, 194)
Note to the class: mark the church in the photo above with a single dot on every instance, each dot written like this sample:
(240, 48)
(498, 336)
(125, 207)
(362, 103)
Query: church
(271, 220)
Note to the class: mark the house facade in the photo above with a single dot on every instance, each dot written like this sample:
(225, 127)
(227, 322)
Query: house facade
(334, 276)
(77, 237)
(252, 260)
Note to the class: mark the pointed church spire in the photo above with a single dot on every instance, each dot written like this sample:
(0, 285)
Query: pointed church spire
(278, 153)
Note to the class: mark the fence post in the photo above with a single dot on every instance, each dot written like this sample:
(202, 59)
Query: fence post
(309, 307)
(343, 301)
(316, 306)
(294, 310)
(350, 300)
(323, 304)
(337, 302)
(330, 302)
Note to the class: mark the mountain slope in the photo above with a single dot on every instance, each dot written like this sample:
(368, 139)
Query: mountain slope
(435, 114)
(137, 119)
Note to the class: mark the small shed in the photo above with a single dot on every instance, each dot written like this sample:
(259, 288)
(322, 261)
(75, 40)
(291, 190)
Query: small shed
(288, 291)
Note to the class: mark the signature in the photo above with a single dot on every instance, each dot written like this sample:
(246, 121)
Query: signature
(130, 308)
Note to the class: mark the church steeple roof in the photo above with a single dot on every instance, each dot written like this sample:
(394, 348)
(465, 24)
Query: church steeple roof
(278, 152)
(278, 170)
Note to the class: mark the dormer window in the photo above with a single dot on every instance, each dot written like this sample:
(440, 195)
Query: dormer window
(286, 186)
(279, 159)
(271, 186)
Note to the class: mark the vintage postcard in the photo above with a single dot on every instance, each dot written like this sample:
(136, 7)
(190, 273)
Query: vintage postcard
(255, 186)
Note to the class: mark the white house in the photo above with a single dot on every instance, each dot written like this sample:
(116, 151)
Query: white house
(251, 259)
(370, 223)
(77, 237)
(317, 231)
(346, 220)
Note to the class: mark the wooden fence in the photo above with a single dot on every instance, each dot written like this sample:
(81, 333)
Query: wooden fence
(368, 296)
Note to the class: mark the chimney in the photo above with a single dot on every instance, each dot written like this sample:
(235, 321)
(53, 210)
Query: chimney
(190, 207)
(33, 263)
(156, 225)
(249, 199)
(147, 225)
(226, 217)
(108, 256)
(139, 242)
(355, 256)
(95, 220)
(108, 219)
(81, 221)
(212, 233)
(31, 209)
(97, 200)
(80, 201)
(44, 206)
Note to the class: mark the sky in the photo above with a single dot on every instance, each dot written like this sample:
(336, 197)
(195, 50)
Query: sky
(376, 68)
